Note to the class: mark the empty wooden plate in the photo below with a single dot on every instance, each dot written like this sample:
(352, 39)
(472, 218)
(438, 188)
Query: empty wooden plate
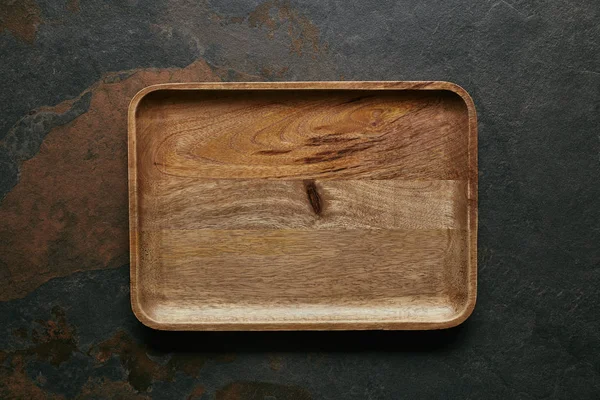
(306, 205)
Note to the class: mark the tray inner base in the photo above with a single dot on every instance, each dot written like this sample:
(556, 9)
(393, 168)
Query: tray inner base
(258, 206)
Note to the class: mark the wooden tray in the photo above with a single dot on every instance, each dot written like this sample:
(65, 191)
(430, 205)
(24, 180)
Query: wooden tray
(306, 205)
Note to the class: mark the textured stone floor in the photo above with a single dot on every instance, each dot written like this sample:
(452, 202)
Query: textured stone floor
(68, 70)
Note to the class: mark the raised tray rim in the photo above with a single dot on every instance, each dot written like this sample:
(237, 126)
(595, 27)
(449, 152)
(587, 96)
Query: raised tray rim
(472, 197)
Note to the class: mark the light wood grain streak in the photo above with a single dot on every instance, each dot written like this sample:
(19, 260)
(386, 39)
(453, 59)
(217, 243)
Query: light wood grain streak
(267, 204)
(302, 267)
(312, 316)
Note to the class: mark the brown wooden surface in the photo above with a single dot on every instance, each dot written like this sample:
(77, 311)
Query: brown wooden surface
(321, 205)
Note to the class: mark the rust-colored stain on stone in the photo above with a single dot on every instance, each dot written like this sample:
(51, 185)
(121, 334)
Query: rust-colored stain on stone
(52, 341)
(133, 357)
(55, 341)
(69, 210)
(273, 14)
(275, 362)
(196, 393)
(271, 74)
(73, 6)
(262, 391)
(106, 389)
(189, 364)
(15, 384)
(142, 370)
(21, 18)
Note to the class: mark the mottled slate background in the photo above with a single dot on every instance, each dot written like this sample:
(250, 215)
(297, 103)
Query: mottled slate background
(67, 72)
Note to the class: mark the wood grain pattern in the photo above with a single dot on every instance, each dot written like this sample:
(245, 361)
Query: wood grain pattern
(323, 205)
(270, 204)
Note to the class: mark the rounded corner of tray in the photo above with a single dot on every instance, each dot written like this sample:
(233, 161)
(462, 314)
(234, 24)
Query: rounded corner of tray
(463, 313)
(139, 96)
(144, 317)
(462, 93)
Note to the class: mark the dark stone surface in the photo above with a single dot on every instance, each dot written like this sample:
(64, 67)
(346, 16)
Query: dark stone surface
(68, 69)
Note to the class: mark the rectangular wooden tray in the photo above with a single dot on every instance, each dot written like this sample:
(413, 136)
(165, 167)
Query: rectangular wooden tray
(303, 205)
